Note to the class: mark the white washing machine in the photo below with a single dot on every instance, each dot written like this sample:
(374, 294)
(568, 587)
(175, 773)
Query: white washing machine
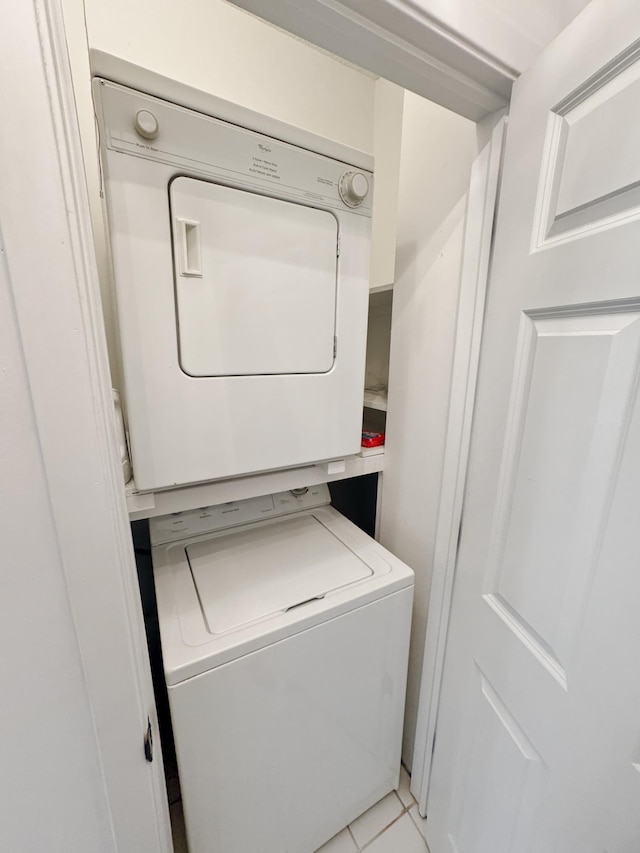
(241, 267)
(285, 637)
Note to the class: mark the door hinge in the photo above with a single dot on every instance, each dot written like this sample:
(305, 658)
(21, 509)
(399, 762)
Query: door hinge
(148, 742)
(335, 347)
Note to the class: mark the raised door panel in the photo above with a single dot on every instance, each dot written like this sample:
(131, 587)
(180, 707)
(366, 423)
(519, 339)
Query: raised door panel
(573, 387)
(590, 177)
(499, 779)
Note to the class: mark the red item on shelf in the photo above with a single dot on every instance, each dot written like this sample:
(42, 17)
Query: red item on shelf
(372, 439)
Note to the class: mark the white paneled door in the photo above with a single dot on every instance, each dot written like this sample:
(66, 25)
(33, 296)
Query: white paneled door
(537, 746)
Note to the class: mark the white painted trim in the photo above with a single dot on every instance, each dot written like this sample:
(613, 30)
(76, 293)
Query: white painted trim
(399, 41)
(47, 237)
(475, 273)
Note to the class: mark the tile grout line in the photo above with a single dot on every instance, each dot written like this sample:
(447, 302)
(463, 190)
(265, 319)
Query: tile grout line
(405, 810)
(415, 803)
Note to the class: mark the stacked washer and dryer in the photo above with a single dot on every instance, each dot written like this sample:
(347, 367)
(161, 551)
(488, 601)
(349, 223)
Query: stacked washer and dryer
(241, 275)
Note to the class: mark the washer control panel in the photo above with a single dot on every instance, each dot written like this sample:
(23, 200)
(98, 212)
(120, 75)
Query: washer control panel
(181, 525)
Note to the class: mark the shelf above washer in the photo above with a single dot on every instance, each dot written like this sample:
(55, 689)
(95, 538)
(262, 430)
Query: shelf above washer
(376, 400)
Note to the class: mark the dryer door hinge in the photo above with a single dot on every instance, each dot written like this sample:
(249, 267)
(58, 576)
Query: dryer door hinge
(335, 347)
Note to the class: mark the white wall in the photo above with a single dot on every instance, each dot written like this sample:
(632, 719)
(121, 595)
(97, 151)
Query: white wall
(51, 784)
(378, 339)
(219, 48)
(387, 133)
(438, 148)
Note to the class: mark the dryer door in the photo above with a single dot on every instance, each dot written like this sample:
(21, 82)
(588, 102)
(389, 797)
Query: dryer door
(255, 281)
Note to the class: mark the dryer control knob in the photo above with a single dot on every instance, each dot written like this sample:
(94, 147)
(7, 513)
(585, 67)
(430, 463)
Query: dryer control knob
(353, 188)
(146, 124)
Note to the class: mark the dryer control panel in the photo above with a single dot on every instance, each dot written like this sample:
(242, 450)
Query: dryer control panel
(144, 126)
(180, 525)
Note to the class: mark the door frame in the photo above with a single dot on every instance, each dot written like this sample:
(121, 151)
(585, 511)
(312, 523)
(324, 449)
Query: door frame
(54, 282)
(399, 40)
(75, 419)
(483, 197)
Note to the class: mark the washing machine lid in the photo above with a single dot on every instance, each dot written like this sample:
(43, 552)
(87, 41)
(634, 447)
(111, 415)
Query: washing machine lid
(248, 575)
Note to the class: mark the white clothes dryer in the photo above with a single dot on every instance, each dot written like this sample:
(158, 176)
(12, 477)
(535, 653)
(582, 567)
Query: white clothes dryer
(241, 267)
(285, 636)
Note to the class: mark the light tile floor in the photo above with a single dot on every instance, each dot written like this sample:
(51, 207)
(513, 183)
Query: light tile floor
(391, 826)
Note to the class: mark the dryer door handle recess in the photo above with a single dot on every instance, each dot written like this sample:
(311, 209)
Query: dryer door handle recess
(187, 247)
